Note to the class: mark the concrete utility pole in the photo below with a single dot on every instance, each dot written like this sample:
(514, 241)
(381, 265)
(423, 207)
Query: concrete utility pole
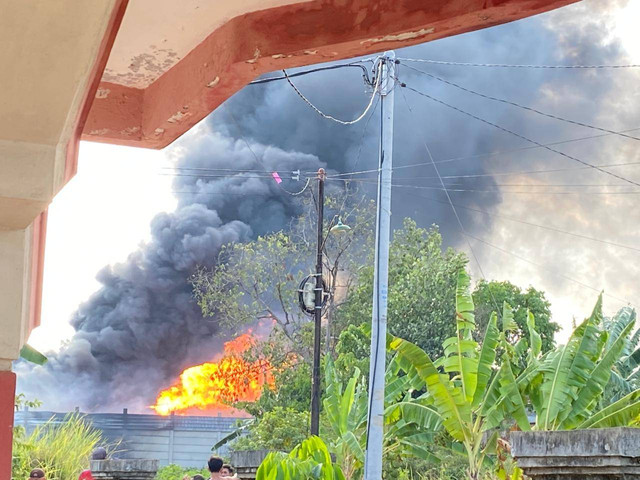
(375, 425)
(319, 290)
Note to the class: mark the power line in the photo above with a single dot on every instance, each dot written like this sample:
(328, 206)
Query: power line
(619, 177)
(455, 212)
(357, 64)
(504, 152)
(524, 107)
(519, 257)
(204, 175)
(544, 267)
(501, 192)
(213, 169)
(544, 227)
(504, 65)
(240, 131)
(330, 117)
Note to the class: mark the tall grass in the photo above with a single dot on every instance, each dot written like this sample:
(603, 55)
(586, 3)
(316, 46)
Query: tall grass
(61, 450)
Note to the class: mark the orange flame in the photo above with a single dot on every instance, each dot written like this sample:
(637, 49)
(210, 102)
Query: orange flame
(212, 387)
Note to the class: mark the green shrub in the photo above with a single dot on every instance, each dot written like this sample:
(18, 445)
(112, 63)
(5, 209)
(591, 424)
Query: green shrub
(176, 472)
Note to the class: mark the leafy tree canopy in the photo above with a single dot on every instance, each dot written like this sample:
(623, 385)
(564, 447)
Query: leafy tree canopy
(279, 430)
(422, 283)
(489, 297)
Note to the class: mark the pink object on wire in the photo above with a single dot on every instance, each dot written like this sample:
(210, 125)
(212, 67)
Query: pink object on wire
(276, 177)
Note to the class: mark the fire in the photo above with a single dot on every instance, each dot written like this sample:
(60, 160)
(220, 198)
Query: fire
(212, 387)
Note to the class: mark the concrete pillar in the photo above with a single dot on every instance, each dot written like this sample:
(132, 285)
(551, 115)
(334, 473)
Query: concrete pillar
(15, 300)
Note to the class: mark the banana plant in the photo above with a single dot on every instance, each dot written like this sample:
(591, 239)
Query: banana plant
(308, 461)
(465, 387)
(625, 375)
(410, 423)
(567, 386)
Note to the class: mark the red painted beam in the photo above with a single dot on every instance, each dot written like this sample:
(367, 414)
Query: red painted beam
(7, 399)
(282, 37)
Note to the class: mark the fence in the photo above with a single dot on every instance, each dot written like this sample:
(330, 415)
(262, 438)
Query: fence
(182, 440)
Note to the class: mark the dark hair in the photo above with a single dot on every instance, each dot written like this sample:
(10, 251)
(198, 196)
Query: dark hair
(198, 477)
(37, 473)
(228, 467)
(215, 464)
(99, 453)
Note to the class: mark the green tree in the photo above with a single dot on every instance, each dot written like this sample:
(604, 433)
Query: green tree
(487, 296)
(422, 282)
(280, 430)
(260, 279)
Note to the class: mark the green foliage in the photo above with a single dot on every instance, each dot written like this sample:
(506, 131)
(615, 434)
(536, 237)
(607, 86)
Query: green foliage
(410, 423)
(422, 281)
(260, 279)
(309, 460)
(489, 294)
(292, 375)
(471, 396)
(61, 450)
(21, 401)
(176, 472)
(625, 376)
(280, 429)
(352, 351)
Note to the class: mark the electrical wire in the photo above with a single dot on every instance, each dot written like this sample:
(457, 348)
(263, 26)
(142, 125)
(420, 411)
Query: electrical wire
(519, 257)
(357, 64)
(330, 117)
(213, 169)
(453, 208)
(504, 152)
(575, 159)
(544, 227)
(205, 175)
(240, 131)
(523, 107)
(504, 65)
(496, 191)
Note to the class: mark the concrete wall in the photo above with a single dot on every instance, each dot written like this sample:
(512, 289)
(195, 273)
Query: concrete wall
(185, 441)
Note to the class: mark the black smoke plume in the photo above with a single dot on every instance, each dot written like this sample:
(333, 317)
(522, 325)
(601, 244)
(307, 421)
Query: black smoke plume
(142, 327)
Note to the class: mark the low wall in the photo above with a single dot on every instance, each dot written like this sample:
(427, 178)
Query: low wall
(596, 454)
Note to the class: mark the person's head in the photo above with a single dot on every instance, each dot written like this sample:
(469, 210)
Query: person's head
(36, 474)
(198, 477)
(99, 453)
(215, 464)
(226, 470)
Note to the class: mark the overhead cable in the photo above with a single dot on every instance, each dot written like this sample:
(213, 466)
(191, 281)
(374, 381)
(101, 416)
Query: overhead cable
(258, 161)
(544, 267)
(524, 107)
(505, 152)
(531, 224)
(499, 127)
(331, 117)
(357, 64)
(505, 65)
(453, 208)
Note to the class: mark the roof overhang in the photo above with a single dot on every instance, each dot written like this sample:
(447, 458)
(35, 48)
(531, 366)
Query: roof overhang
(174, 62)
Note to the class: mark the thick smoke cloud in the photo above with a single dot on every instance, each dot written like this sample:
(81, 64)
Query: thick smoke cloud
(141, 328)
